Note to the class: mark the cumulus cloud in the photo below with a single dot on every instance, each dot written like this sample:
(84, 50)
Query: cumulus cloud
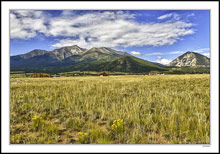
(124, 33)
(28, 13)
(136, 53)
(114, 29)
(25, 24)
(163, 61)
(69, 42)
(97, 29)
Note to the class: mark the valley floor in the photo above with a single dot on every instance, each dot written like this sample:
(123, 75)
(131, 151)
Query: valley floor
(134, 109)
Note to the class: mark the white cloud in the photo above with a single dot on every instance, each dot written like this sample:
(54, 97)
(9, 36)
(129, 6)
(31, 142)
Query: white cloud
(206, 54)
(28, 13)
(165, 16)
(165, 53)
(176, 16)
(163, 61)
(159, 54)
(191, 15)
(25, 24)
(67, 13)
(155, 54)
(136, 53)
(176, 52)
(96, 29)
(169, 15)
(121, 32)
(203, 49)
(69, 42)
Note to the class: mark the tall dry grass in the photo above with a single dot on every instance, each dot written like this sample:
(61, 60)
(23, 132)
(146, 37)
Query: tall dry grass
(168, 109)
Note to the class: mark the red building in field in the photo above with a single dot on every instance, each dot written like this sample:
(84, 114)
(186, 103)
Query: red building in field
(102, 74)
(40, 75)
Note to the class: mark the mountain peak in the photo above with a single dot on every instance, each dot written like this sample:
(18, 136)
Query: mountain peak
(94, 48)
(75, 46)
(106, 50)
(189, 52)
(67, 51)
(191, 59)
(71, 47)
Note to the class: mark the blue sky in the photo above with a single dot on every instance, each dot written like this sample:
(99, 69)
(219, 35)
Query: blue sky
(154, 35)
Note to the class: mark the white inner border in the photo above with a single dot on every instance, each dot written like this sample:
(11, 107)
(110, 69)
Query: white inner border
(214, 27)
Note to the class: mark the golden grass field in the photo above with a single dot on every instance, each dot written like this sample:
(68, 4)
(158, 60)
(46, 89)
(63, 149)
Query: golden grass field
(135, 109)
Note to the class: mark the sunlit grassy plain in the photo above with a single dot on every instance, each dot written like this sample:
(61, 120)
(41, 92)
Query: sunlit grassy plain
(165, 109)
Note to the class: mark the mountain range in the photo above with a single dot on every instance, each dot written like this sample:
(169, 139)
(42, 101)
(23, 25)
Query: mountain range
(74, 58)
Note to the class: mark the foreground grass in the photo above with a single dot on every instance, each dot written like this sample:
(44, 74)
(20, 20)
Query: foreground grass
(169, 109)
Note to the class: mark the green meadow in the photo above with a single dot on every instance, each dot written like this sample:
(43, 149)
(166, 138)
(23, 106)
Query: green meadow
(128, 109)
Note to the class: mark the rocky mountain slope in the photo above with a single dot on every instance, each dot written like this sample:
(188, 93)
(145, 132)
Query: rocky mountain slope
(126, 63)
(43, 57)
(33, 53)
(191, 59)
